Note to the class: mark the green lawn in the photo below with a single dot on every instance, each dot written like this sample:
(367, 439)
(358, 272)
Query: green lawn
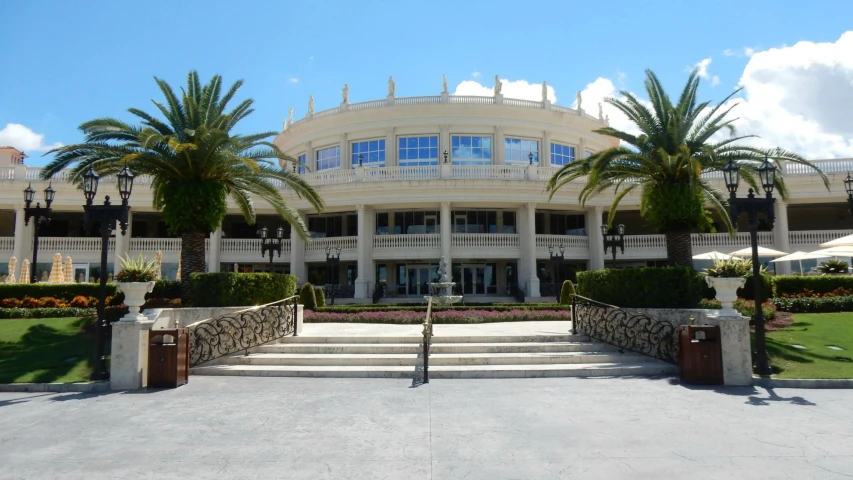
(45, 350)
(816, 332)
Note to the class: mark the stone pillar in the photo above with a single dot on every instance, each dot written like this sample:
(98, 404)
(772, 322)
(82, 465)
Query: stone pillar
(366, 272)
(736, 349)
(310, 162)
(500, 147)
(499, 99)
(22, 241)
(781, 239)
(129, 357)
(444, 144)
(446, 222)
(530, 278)
(596, 242)
(545, 150)
(213, 259)
(581, 153)
(346, 154)
(122, 243)
(390, 148)
(297, 255)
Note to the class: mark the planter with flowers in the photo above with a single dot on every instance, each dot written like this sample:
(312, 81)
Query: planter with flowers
(726, 277)
(135, 279)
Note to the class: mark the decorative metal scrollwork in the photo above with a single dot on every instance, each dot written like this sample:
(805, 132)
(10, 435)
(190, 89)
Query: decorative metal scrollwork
(628, 331)
(240, 331)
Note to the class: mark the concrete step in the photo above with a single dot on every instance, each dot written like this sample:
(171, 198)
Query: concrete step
(441, 372)
(436, 348)
(567, 338)
(415, 360)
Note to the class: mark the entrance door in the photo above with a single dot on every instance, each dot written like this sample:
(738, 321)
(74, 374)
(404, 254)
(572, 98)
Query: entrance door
(418, 279)
(473, 279)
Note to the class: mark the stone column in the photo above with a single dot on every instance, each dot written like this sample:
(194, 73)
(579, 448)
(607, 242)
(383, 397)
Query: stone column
(530, 278)
(122, 243)
(781, 239)
(310, 162)
(22, 241)
(596, 242)
(446, 222)
(297, 255)
(581, 153)
(545, 150)
(390, 148)
(500, 147)
(346, 154)
(366, 272)
(213, 259)
(129, 357)
(736, 349)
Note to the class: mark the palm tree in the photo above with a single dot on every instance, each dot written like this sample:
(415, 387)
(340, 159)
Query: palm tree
(677, 144)
(195, 162)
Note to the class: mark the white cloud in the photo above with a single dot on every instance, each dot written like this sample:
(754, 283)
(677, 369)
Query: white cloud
(520, 89)
(475, 74)
(729, 52)
(743, 52)
(594, 95)
(23, 138)
(748, 51)
(702, 68)
(293, 80)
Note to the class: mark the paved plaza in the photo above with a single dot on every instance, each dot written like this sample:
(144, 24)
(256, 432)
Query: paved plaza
(302, 428)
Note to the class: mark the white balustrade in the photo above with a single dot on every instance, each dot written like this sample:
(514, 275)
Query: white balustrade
(427, 172)
(637, 242)
(366, 105)
(320, 244)
(558, 108)
(7, 173)
(146, 245)
(330, 177)
(65, 245)
(543, 174)
(410, 241)
(496, 172)
(567, 241)
(815, 237)
(515, 102)
(484, 240)
(7, 243)
(330, 111)
(724, 240)
(471, 99)
(843, 165)
(247, 245)
(417, 100)
(35, 174)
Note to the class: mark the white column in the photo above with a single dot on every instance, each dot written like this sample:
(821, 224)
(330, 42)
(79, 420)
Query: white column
(545, 150)
(596, 242)
(366, 271)
(122, 243)
(500, 147)
(446, 222)
(213, 259)
(297, 255)
(531, 280)
(781, 240)
(346, 154)
(390, 148)
(309, 158)
(21, 241)
(581, 153)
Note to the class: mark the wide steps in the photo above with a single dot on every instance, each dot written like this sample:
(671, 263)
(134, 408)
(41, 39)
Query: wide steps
(436, 348)
(437, 339)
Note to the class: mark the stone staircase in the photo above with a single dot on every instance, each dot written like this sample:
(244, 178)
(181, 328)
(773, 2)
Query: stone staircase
(452, 356)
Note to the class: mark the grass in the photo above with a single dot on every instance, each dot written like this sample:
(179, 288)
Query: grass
(816, 332)
(45, 350)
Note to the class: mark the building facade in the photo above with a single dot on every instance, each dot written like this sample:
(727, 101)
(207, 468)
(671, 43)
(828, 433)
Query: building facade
(409, 180)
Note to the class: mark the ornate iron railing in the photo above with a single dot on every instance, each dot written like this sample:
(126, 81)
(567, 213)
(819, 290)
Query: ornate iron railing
(239, 331)
(427, 332)
(628, 331)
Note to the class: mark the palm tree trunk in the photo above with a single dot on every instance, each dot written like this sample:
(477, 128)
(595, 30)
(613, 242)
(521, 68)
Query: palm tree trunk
(679, 249)
(192, 259)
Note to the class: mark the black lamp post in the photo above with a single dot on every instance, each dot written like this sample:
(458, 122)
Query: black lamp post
(753, 206)
(360, 159)
(40, 215)
(445, 156)
(530, 157)
(105, 214)
(332, 262)
(613, 238)
(274, 244)
(557, 260)
(848, 186)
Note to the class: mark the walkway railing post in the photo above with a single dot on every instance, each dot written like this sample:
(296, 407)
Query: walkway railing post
(574, 316)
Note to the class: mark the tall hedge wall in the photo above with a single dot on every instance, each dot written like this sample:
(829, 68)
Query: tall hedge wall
(790, 285)
(662, 287)
(230, 289)
(67, 291)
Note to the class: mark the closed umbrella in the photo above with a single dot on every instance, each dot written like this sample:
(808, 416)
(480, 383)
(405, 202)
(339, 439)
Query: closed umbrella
(712, 256)
(158, 259)
(68, 274)
(762, 252)
(178, 275)
(800, 256)
(56, 274)
(25, 271)
(839, 242)
(12, 264)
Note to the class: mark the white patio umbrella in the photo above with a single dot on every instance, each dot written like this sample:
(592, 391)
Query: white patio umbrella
(712, 256)
(839, 242)
(799, 257)
(840, 251)
(25, 271)
(762, 252)
(158, 258)
(56, 275)
(12, 264)
(178, 275)
(68, 273)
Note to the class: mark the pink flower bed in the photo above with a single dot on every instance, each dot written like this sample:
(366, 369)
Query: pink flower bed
(441, 316)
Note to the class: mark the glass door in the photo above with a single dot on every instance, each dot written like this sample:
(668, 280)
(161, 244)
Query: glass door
(419, 277)
(474, 280)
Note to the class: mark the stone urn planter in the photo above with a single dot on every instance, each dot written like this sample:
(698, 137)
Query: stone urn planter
(726, 288)
(134, 298)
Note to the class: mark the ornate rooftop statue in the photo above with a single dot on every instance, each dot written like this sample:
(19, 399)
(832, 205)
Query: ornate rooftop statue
(443, 83)
(544, 91)
(497, 85)
(600, 112)
(579, 100)
(290, 116)
(311, 104)
(346, 93)
(391, 86)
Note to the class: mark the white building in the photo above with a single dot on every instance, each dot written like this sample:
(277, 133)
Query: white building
(409, 180)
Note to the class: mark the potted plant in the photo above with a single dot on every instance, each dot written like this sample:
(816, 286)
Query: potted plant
(833, 267)
(726, 277)
(135, 279)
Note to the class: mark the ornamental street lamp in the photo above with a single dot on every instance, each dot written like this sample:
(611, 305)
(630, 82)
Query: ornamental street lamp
(274, 244)
(613, 238)
(848, 186)
(332, 262)
(360, 159)
(556, 262)
(105, 214)
(753, 206)
(530, 157)
(445, 156)
(40, 215)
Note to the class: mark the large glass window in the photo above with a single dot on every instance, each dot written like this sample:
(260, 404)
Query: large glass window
(325, 226)
(416, 222)
(301, 159)
(475, 221)
(471, 150)
(329, 158)
(518, 150)
(562, 154)
(416, 151)
(371, 153)
(562, 224)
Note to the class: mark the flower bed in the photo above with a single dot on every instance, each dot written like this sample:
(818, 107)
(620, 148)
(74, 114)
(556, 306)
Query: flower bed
(439, 317)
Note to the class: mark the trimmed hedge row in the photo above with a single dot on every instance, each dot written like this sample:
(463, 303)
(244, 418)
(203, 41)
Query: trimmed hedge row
(790, 285)
(647, 287)
(228, 289)
(814, 305)
(67, 291)
(112, 313)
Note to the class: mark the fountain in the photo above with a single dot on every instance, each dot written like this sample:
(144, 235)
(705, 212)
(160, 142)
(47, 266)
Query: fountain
(444, 287)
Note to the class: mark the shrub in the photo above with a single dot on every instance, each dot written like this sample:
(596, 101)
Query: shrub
(793, 286)
(748, 290)
(744, 307)
(79, 302)
(814, 305)
(10, 303)
(307, 296)
(62, 291)
(136, 269)
(731, 268)
(566, 292)
(50, 302)
(228, 289)
(45, 312)
(320, 296)
(833, 266)
(166, 289)
(666, 287)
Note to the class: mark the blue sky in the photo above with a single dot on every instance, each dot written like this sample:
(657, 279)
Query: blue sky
(67, 62)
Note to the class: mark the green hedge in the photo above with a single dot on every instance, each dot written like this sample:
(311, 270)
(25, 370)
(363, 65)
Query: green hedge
(814, 305)
(228, 289)
(320, 296)
(566, 292)
(422, 308)
(67, 291)
(166, 289)
(790, 285)
(748, 290)
(308, 296)
(46, 312)
(647, 287)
